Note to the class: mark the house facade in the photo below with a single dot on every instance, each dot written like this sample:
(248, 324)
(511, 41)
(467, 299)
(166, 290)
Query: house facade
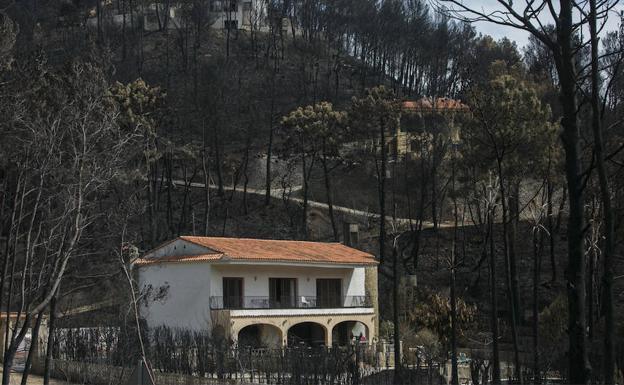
(238, 14)
(262, 292)
(249, 15)
(412, 138)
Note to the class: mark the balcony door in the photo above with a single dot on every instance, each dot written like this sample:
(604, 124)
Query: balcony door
(328, 292)
(232, 293)
(283, 292)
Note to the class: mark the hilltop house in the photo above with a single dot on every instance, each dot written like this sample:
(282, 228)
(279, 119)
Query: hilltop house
(262, 292)
(422, 117)
(238, 14)
(419, 118)
(218, 14)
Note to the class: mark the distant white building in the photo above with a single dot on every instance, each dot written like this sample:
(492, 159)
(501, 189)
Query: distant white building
(220, 14)
(262, 292)
(238, 14)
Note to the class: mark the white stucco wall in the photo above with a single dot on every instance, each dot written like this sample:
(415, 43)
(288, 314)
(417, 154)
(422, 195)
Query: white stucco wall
(354, 284)
(187, 303)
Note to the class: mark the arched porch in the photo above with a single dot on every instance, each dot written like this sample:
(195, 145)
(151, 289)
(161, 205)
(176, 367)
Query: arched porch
(348, 332)
(260, 336)
(309, 333)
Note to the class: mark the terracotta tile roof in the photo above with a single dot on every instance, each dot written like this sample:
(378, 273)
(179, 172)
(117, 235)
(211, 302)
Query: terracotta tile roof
(179, 258)
(439, 104)
(268, 250)
(13, 315)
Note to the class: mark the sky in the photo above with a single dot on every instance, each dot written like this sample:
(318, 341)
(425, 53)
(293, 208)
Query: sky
(519, 36)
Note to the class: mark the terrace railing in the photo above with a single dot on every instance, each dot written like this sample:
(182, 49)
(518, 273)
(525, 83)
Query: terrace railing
(289, 302)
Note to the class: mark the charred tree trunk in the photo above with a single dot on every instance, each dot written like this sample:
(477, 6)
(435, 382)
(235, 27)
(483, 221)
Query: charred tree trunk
(508, 269)
(609, 232)
(496, 379)
(50, 343)
(382, 190)
(206, 172)
(551, 229)
(537, 255)
(398, 370)
(513, 219)
(218, 161)
(34, 342)
(330, 205)
(267, 196)
(9, 354)
(454, 369)
(579, 367)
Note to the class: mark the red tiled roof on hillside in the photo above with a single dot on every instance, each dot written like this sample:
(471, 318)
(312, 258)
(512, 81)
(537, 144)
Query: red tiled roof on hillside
(269, 250)
(425, 104)
(13, 315)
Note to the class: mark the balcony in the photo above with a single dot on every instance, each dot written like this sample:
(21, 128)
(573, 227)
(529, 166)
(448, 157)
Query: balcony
(299, 302)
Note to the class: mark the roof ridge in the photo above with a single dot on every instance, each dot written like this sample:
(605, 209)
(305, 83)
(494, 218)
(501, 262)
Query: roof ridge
(261, 239)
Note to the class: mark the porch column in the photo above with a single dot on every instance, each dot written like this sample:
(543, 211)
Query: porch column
(372, 332)
(328, 335)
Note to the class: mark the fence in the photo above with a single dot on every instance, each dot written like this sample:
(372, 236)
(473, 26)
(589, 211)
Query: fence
(199, 355)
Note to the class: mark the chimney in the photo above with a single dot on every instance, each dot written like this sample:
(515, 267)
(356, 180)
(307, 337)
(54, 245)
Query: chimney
(350, 234)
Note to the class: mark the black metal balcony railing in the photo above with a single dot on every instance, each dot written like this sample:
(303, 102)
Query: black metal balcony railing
(299, 302)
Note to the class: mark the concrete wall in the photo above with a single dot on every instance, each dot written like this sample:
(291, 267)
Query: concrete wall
(187, 301)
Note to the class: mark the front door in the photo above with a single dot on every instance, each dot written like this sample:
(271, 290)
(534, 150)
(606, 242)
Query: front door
(328, 292)
(283, 292)
(232, 293)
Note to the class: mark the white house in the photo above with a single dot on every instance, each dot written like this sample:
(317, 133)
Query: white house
(221, 14)
(238, 14)
(262, 292)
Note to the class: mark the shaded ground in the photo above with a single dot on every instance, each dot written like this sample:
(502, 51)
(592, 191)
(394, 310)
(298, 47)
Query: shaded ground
(35, 380)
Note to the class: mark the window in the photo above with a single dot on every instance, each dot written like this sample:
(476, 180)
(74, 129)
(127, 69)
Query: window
(328, 292)
(223, 6)
(232, 293)
(216, 6)
(230, 24)
(283, 292)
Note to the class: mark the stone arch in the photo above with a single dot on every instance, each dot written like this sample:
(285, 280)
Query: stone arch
(343, 332)
(309, 333)
(259, 335)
